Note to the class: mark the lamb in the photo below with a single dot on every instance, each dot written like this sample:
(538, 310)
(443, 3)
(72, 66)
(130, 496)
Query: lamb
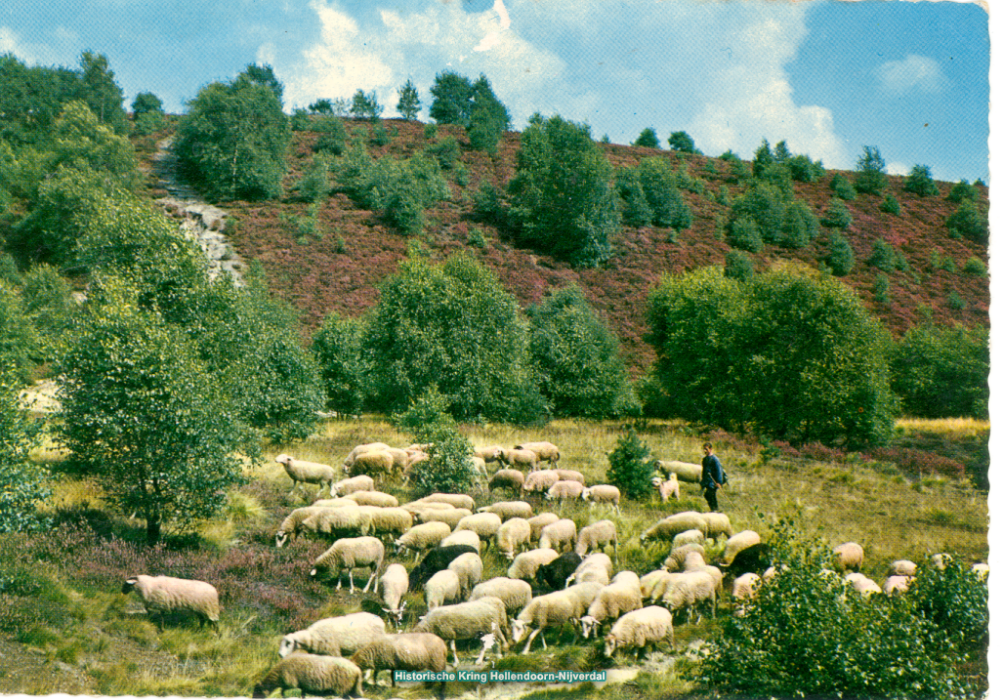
(334, 636)
(422, 537)
(849, 555)
(435, 560)
(302, 472)
(404, 652)
(668, 488)
(561, 490)
(457, 500)
(666, 528)
(443, 587)
(556, 573)
(507, 479)
(466, 537)
(687, 537)
(467, 620)
(737, 543)
(745, 589)
(314, 674)
(514, 593)
(544, 451)
(345, 487)
(165, 594)
(604, 494)
(555, 536)
(377, 463)
(509, 509)
(689, 590)
(485, 525)
(639, 628)
(677, 555)
(526, 564)
(469, 568)
(685, 471)
(292, 525)
(520, 459)
(395, 584)
(452, 516)
(374, 498)
(513, 536)
(350, 553)
(540, 480)
(540, 521)
(596, 536)
(621, 596)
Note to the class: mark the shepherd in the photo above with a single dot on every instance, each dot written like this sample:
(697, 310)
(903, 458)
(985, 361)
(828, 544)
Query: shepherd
(712, 476)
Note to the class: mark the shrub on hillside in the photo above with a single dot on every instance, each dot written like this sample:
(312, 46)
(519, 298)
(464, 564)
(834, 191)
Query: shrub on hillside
(975, 266)
(630, 467)
(332, 135)
(632, 198)
(660, 186)
(446, 151)
(803, 169)
(920, 182)
(890, 205)
(681, 141)
(870, 171)
(886, 258)
(968, 222)
(449, 468)
(336, 345)
(837, 215)
(800, 225)
(744, 234)
(22, 484)
(963, 190)
(840, 256)
(765, 205)
(647, 138)
(843, 188)
(881, 289)
(738, 266)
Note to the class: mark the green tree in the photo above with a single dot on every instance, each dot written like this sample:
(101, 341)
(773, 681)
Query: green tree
(409, 101)
(321, 106)
(262, 76)
(22, 484)
(141, 413)
(738, 266)
(647, 138)
(963, 190)
(890, 205)
(765, 205)
(920, 182)
(336, 345)
(800, 225)
(837, 215)
(49, 307)
(566, 204)
(454, 326)
(803, 169)
(101, 92)
(634, 207)
(745, 234)
(881, 289)
(840, 256)
(145, 103)
(660, 187)
(18, 338)
(762, 158)
(870, 174)
(843, 188)
(682, 142)
(365, 106)
(968, 222)
(488, 117)
(234, 140)
(886, 258)
(630, 467)
(781, 152)
(452, 99)
(577, 358)
(449, 468)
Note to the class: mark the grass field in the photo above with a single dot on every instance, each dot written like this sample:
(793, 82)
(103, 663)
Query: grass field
(65, 626)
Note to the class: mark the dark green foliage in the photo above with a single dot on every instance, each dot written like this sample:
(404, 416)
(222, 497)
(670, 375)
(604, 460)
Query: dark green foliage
(870, 176)
(18, 339)
(920, 182)
(321, 106)
(488, 117)
(762, 158)
(262, 76)
(380, 136)
(955, 601)
(300, 120)
(955, 301)
(430, 131)
(968, 222)
(333, 135)
(730, 156)
(449, 468)
(632, 198)
(881, 289)
(580, 369)
(886, 258)
(660, 186)
(745, 235)
(146, 102)
(738, 266)
(22, 484)
(446, 151)
(647, 138)
(32, 98)
(234, 140)
(452, 325)
(765, 205)
(682, 142)
(803, 169)
(781, 152)
(840, 256)
(890, 205)
(565, 200)
(809, 634)
(48, 307)
(790, 355)
(843, 188)
(630, 467)
(963, 190)
(837, 215)
(489, 203)
(409, 101)
(315, 182)
(452, 99)
(942, 371)
(975, 266)
(101, 93)
(365, 106)
(800, 226)
(336, 345)
(778, 176)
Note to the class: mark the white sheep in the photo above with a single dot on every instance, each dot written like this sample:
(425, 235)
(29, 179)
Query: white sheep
(302, 472)
(849, 555)
(374, 498)
(335, 502)
(375, 463)
(666, 528)
(514, 593)
(621, 596)
(595, 568)
(595, 536)
(469, 567)
(639, 628)
(685, 471)
(422, 537)
(737, 543)
(444, 587)
(526, 564)
(571, 475)
(456, 500)
(544, 451)
(520, 459)
(411, 651)
(981, 570)
(863, 585)
(334, 636)
(745, 589)
(509, 509)
(896, 584)
(345, 487)
(513, 536)
(293, 524)
(540, 480)
(389, 520)
(165, 594)
(603, 494)
(485, 525)
(561, 490)
(314, 674)
(507, 479)
(903, 567)
(488, 454)
(652, 585)
(540, 521)
(452, 516)
(687, 537)
(350, 553)
(690, 589)
(463, 537)
(668, 488)
(549, 610)
(469, 620)
(339, 522)
(559, 534)
(395, 584)
(367, 447)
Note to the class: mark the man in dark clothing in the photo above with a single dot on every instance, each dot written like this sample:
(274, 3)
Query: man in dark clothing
(711, 476)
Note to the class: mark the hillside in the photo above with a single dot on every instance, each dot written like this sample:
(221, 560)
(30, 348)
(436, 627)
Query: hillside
(340, 271)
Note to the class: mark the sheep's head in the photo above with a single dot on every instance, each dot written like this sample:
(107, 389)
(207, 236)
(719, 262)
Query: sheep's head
(588, 623)
(287, 646)
(585, 494)
(518, 630)
(610, 644)
(129, 585)
(283, 459)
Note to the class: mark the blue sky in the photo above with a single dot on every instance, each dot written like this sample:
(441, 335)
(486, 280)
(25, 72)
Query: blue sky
(829, 77)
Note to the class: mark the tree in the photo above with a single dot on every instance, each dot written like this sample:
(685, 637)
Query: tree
(336, 345)
(837, 215)
(488, 118)
(634, 207)
(647, 138)
(101, 92)
(800, 225)
(963, 190)
(566, 204)
(840, 256)
(659, 185)
(22, 484)
(968, 222)
(781, 152)
(738, 266)
(449, 467)
(145, 103)
(234, 140)
(870, 175)
(409, 101)
(18, 338)
(843, 188)
(682, 142)
(262, 76)
(920, 182)
(762, 158)
(580, 369)
(365, 106)
(452, 99)
(454, 326)
(321, 106)
(141, 413)
(629, 465)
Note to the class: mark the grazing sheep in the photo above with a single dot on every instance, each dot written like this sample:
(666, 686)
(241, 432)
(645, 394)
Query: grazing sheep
(639, 628)
(674, 524)
(302, 472)
(485, 525)
(415, 458)
(416, 508)
(941, 561)
(544, 451)
(469, 567)
(451, 516)
(374, 498)
(557, 572)
(334, 636)
(388, 521)
(376, 463)
(467, 537)
(526, 564)
(558, 534)
(595, 568)
(422, 537)
(540, 521)
(561, 490)
(340, 522)
(595, 536)
(488, 454)
(737, 543)
(677, 555)
(603, 494)
(903, 567)
(756, 558)
(981, 570)
(849, 555)
(896, 584)
(540, 480)
(435, 560)
(685, 471)
(745, 589)
(668, 488)
(335, 502)
(507, 479)
(688, 590)
(621, 596)
(456, 500)
(652, 585)
(514, 593)
(351, 553)
(513, 536)
(718, 524)
(571, 475)
(345, 487)
(865, 586)
(292, 526)
(165, 594)
(367, 447)
(687, 537)
(412, 651)
(395, 584)
(509, 509)
(319, 675)
(443, 588)
(400, 459)
(550, 610)
(468, 620)
(520, 459)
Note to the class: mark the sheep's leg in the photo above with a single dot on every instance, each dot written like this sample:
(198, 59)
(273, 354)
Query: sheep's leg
(370, 579)
(339, 582)
(350, 577)
(527, 647)
(454, 651)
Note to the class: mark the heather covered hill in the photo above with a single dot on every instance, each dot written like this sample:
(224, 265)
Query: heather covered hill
(336, 263)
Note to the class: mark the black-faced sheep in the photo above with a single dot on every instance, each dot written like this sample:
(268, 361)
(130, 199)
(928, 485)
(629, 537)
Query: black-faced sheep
(351, 553)
(302, 472)
(557, 572)
(162, 595)
(311, 673)
(640, 628)
(334, 636)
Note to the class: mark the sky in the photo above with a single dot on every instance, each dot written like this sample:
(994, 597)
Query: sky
(829, 78)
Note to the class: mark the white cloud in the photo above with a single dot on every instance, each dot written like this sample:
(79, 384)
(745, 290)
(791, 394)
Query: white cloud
(897, 168)
(914, 73)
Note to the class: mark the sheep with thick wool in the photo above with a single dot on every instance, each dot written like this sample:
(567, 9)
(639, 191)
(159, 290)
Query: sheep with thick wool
(541, 480)
(455, 500)
(639, 629)
(745, 590)
(571, 475)
(513, 536)
(388, 521)
(485, 525)
(603, 494)
(162, 595)
(507, 479)
(596, 536)
(374, 498)
(540, 521)
(666, 528)
(488, 454)
(360, 449)
(550, 610)
(687, 537)
(595, 568)
(620, 596)
(520, 459)
(469, 568)
(377, 463)
(345, 487)
(526, 564)
(452, 517)
(302, 472)
(514, 593)
(395, 584)
(467, 537)
(352, 553)
(896, 584)
(334, 636)
(509, 509)
(848, 556)
(443, 588)
(561, 533)
(903, 567)
(737, 543)
(685, 471)
(563, 490)
(435, 560)
(294, 524)
(410, 651)
(689, 591)
(422, 537)
(340, 522)
(469, 620)
(313, 674)
(717, 524)
(544, 451)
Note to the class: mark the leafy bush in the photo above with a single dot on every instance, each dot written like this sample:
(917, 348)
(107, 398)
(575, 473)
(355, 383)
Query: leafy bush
(632, 199)
(890, 205)
(22, 484)
(870, 174)
(365, 106)
(744, 234)
(299, 121)
(738, 266)
(380, 136)
(333, 136)
(803, 169)
(630, 467)
(920, 182)
(315, 183)
(840, 256)
(659, 184)
(49, 307)
(681, 141)
(881, 289)
(336, 345)
(975, 266)
(968, 222)
(800, 226)
(765, 205)
(449, 468)
(647, 138)
(837, 215)
(886, 258)
(446, 151)
(843, 188)
(963, 190)
(488, 118)
(18, 338)
(430, 131)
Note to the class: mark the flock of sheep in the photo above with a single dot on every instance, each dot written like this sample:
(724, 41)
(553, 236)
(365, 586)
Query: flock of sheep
(557, 574)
